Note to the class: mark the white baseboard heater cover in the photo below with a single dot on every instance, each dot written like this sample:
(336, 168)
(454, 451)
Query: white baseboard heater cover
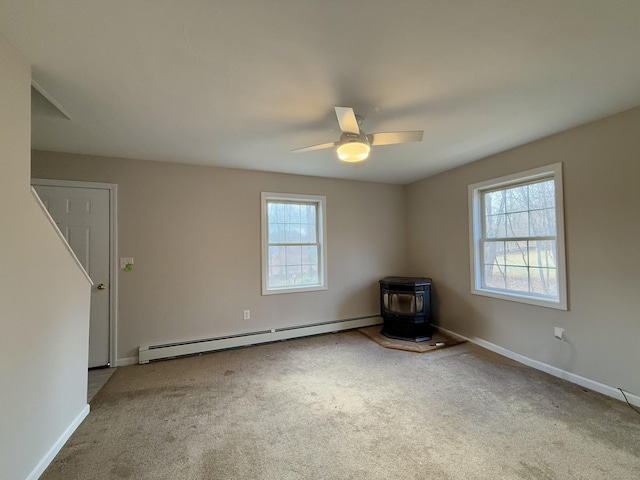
(148, 353)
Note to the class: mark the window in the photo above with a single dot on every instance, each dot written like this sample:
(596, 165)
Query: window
(294, 255)
(517, 238)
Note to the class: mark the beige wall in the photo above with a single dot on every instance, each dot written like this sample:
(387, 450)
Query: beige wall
(601, 169)
(44, 299)
(194, 233)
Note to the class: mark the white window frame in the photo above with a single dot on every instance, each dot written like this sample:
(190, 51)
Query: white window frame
(476, 221)
(321, 232)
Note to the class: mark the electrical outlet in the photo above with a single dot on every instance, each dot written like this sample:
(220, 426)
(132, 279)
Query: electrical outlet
(246, 314)
(558, 332)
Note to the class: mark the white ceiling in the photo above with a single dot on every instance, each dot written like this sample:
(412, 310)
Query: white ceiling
(239, 83)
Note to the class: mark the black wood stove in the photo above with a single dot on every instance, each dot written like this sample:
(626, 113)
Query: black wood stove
(405, 307)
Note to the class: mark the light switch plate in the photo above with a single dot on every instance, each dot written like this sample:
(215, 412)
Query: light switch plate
(558, 332)
(125, 260)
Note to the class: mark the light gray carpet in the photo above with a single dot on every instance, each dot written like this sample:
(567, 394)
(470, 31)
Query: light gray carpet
(342, 407)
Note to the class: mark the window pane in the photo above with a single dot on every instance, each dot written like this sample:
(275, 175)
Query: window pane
(517, 199)
(494, 276)
(542, 195)
(517, 278)
(310, 275)
(308, 233)
(309, 255)
(517, 253)
(276, 212)
(543, 253)
(277, 276)
(276, 233)
(303, 213)
(293, 255)
(543, 281)
(494, 203)
(292, 233)
(518, 224)
(495, 226)
(494, 253)
(543, 222)
(292, 213)
(294, 275)
(308, 214)
(276, 256)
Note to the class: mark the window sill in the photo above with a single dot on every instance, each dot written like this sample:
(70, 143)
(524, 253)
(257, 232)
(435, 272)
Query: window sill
(522, 298)
(277, 291)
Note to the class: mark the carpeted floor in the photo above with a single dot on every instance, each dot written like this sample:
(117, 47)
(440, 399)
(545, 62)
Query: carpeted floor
(339, 406)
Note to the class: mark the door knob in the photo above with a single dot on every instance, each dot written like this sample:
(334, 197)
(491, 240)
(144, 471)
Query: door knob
(102, 286)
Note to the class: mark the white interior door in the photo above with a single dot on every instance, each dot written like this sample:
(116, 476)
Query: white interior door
(82, 215)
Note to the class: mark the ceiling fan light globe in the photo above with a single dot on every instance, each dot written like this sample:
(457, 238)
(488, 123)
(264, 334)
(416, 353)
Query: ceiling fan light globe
(353, 151)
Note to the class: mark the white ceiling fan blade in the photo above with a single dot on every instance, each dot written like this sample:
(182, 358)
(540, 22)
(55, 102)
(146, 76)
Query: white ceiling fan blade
(389, 138)
(347, 120)
(315, 147)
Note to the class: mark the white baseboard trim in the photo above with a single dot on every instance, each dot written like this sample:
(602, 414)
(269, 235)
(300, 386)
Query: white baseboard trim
(123, 362)
(551, 370)
(53, 451)
(170, 350)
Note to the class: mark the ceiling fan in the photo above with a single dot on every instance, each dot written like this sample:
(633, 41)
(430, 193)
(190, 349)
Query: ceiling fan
(354, 145)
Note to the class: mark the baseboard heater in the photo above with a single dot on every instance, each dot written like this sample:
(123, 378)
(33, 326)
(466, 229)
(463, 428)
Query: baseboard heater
(149, 353)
